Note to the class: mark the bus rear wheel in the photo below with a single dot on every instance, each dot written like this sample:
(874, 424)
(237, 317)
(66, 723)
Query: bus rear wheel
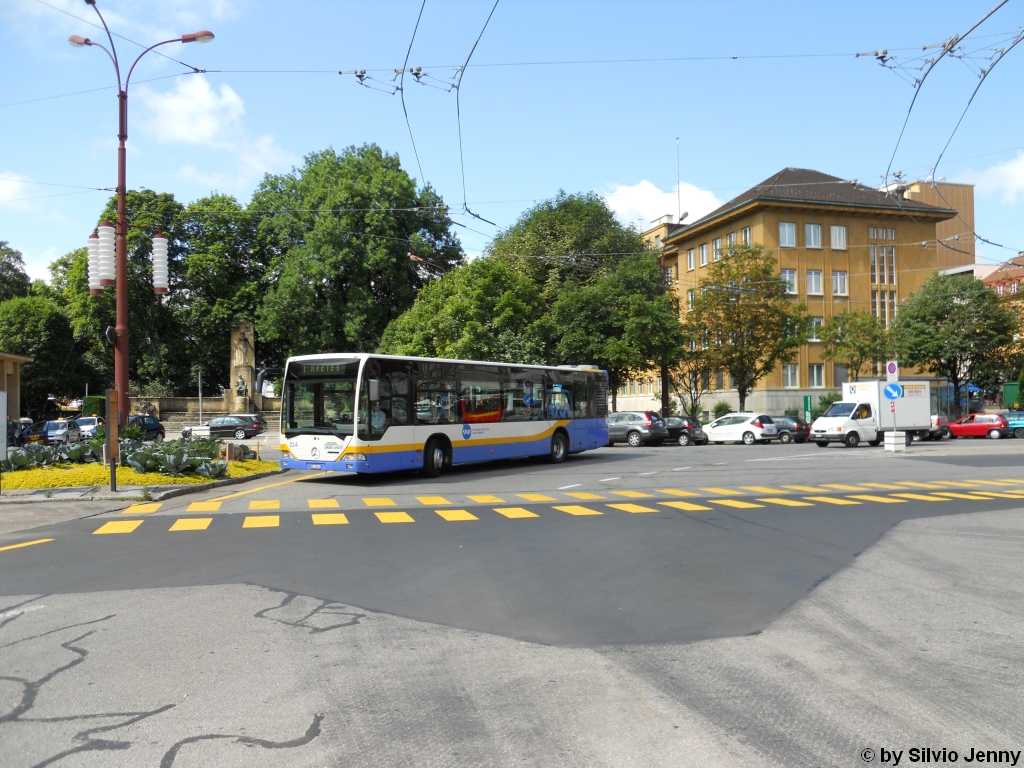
(433, 458)
(559, 448)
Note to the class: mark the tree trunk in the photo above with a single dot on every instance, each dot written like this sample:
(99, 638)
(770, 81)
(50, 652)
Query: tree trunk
(743, 399)
(664, 390)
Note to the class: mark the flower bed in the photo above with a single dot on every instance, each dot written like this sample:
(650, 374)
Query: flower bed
(81, 475)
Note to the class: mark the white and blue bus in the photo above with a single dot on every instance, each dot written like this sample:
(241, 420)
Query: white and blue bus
(378, 413)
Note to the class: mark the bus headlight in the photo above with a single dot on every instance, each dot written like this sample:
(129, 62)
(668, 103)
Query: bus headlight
(354, 457)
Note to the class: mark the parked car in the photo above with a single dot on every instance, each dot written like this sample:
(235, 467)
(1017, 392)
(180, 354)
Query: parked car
(938, 430)
(237, 425)
(684, 430)
(1015, 419)
(791, 429)
(88, 425)
(636, 428)
(51, 432)
(151, 428)
(992, 425)
(747, 428)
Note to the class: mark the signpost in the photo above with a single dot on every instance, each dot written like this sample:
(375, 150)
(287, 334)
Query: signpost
(892, 371)
(807, 409)
(113, 447)
(892, 392)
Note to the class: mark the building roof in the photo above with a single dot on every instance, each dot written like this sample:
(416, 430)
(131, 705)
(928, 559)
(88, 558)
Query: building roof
(16, 358)
(1009, 270)
(802, 185)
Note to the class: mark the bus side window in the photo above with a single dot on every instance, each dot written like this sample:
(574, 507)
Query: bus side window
(580, 398)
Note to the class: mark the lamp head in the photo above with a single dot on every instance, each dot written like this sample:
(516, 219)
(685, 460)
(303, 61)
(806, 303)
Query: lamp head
(78, 41)
(202, 36)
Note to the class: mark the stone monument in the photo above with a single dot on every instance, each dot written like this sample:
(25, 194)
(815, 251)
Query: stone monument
(243, 366)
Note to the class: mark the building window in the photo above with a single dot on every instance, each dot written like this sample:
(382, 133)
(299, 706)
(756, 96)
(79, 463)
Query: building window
(632, 387)
(872, 233)
(840, 374)
(650, 386)
(790, 375)
(892, 233)
(716, 247)
(657, 241)
(745, 235)
(812, 235)
(874, 303)
(814, 328)
(676, 269)
(838, 240)
(881, 264)
(1013, 287)
(892, 265)
(816, 375)
(787, 234)
(999, 289)
(719, 379)
(874, 262)
(730, 240)
(691, 296)
(789, 278)
(814, 282)
(839, 284)
(703, 254)
(689, 259)
(892, 306)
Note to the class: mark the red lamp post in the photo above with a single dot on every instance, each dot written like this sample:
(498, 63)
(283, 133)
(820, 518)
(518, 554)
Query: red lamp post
(416, 258)
(121, 248)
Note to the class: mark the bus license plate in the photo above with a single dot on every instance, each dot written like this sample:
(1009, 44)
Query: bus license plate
(316, 466)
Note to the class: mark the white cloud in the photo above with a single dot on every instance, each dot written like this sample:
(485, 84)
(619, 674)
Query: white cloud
(643, 202)
(14, 188)
(1005, 178)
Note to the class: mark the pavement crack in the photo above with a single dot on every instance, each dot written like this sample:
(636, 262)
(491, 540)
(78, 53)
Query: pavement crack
(325, 610)
(59, 629)
(311, 733)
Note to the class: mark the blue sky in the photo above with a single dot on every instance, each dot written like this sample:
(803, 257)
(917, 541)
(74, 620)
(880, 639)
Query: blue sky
(530, 126)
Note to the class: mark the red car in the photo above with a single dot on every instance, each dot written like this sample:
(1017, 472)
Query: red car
(980, 425)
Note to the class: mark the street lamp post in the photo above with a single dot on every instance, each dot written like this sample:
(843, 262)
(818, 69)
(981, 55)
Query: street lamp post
(416, 258)
(121, 247)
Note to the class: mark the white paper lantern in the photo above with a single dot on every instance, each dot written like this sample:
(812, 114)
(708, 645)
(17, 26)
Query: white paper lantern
(160, 281)
(107, 257)
(94, 264)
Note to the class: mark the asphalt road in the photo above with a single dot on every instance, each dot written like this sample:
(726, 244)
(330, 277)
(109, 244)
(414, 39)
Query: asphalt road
(510, 613)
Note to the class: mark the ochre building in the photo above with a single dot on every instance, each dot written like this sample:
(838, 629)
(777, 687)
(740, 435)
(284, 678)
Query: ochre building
(840, 245)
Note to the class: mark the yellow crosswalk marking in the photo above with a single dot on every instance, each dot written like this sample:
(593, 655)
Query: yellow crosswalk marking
(142, 509)
(831, 500)
(919, 497)
(736, 503)
(880, 499)
(634, 508)
(265, 504)
(634, 494)
(787, 502)
(262, 521)
(514, 512)
(535, 497)
(191, 524)
(585, 496)
(804, 488)
(330, 518)
(762, 489)
(884, 486)
(995, 495)
(723, 491)
(24, 544)
(953, 495)
(914, 484)
(676, 492)
(1010, 480)
(575, 509)
(203, 506)
(961, 484)
(684, 505)
(842, 487)
(432, 501)
(1000, 482)
(394, 517)
(487, 499)
(322, 503)
(118, 526)
(379, 502)
(455, 515)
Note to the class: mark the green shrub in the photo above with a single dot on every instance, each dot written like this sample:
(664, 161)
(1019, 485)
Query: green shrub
(721, 409)
(825, 402)
(94, 404)
(132, 432)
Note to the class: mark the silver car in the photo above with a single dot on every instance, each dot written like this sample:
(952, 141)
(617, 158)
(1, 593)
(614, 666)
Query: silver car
(636, 428)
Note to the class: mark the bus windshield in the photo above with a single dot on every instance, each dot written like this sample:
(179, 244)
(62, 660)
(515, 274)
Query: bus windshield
(841, 410)
(319, 397)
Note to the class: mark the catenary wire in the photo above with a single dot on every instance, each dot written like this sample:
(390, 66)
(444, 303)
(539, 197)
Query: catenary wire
(401, 90)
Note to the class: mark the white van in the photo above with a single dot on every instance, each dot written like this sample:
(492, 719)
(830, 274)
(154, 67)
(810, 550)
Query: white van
(865, 414)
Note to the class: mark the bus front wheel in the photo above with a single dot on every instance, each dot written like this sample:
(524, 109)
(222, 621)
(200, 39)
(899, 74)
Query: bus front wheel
(559, 448)
(433, 458)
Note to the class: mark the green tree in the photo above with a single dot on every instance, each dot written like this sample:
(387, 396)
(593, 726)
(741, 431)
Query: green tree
(852, 338)
(691, 374)
(479, 311)
(953, 327)
(14, 281)
(36, 326)
(338, 233)
(755, 325)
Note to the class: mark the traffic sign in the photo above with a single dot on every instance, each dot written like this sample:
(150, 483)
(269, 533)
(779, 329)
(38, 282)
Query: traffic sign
(893, 391)
(892, 371)
(892, 406)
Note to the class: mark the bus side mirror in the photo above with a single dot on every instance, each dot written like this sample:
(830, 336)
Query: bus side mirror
(374, 389)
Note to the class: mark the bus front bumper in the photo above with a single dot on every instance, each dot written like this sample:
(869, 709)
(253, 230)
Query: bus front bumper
(325, 466)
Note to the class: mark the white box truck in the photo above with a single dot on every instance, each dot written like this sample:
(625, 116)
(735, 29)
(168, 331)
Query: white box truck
(865, 414)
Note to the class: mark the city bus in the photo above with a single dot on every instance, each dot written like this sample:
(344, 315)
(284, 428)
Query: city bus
(363, 413)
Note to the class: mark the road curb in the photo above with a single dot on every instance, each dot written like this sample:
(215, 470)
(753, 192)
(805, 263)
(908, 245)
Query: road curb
(133, 495)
